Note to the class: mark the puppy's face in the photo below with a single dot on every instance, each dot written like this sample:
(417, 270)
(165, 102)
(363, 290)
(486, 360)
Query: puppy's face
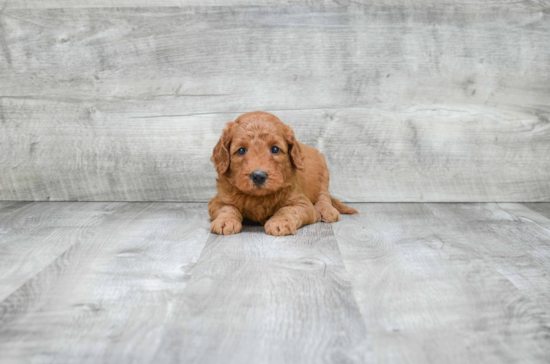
(259, 158)
(257, 154)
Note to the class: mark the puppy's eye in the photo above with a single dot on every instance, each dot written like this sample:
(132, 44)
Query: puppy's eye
(242, 151)
(274, 150)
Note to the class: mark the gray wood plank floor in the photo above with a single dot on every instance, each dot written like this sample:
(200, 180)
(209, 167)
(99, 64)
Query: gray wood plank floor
(461, 283)
(399, 283)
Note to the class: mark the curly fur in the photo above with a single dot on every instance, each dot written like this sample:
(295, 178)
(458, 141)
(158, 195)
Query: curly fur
(295, 192)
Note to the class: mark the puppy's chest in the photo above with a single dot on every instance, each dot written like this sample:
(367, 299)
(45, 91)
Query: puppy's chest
(259, 209)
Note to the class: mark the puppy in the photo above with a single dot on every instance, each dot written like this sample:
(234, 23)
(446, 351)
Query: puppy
(266, 175)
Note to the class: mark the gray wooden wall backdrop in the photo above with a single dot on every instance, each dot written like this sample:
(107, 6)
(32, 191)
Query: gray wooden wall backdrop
(409, 100)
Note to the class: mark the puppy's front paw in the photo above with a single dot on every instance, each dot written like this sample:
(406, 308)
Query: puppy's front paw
(326, 213)
(224, 226)
(280, 226)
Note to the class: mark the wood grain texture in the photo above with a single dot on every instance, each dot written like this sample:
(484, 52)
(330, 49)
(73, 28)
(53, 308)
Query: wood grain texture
(33, 235)
(414, 154)
(541, 208)
(399, 283)
(138, 292)
(409, 103)
(110, 295)
(452, 283)
(515, 240)
(49, 4)
(255, 298)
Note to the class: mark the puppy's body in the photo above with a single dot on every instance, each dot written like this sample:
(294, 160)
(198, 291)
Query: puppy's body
(259, 208)
(295, 189)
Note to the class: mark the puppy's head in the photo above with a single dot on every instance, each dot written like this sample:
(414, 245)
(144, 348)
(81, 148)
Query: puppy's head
(257, 153)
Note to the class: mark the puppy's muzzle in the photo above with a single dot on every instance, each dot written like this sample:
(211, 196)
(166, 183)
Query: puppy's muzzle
(258, 177)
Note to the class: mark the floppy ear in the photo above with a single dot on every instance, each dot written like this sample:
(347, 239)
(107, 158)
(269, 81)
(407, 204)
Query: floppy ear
(220, 157)
(294, 150)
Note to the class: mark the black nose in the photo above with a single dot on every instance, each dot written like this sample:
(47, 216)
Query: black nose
(258, 177)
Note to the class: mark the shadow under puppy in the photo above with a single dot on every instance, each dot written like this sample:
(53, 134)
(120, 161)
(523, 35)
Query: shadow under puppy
(267, 176)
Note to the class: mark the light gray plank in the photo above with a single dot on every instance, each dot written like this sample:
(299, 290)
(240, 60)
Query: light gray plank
(126, 103)
(513, 238)
(422, 153)
(243, 58)
(125, 296)
(541, 208)
(67, 4)
(111, 295)
(254, 298)
(33, 235)
(452, 283)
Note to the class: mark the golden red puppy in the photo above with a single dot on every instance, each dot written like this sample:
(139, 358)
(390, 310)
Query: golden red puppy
(267, 176)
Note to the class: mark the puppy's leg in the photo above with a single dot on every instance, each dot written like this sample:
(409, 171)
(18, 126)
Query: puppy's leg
(289, 218)
(324, 210)
(226, 219)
